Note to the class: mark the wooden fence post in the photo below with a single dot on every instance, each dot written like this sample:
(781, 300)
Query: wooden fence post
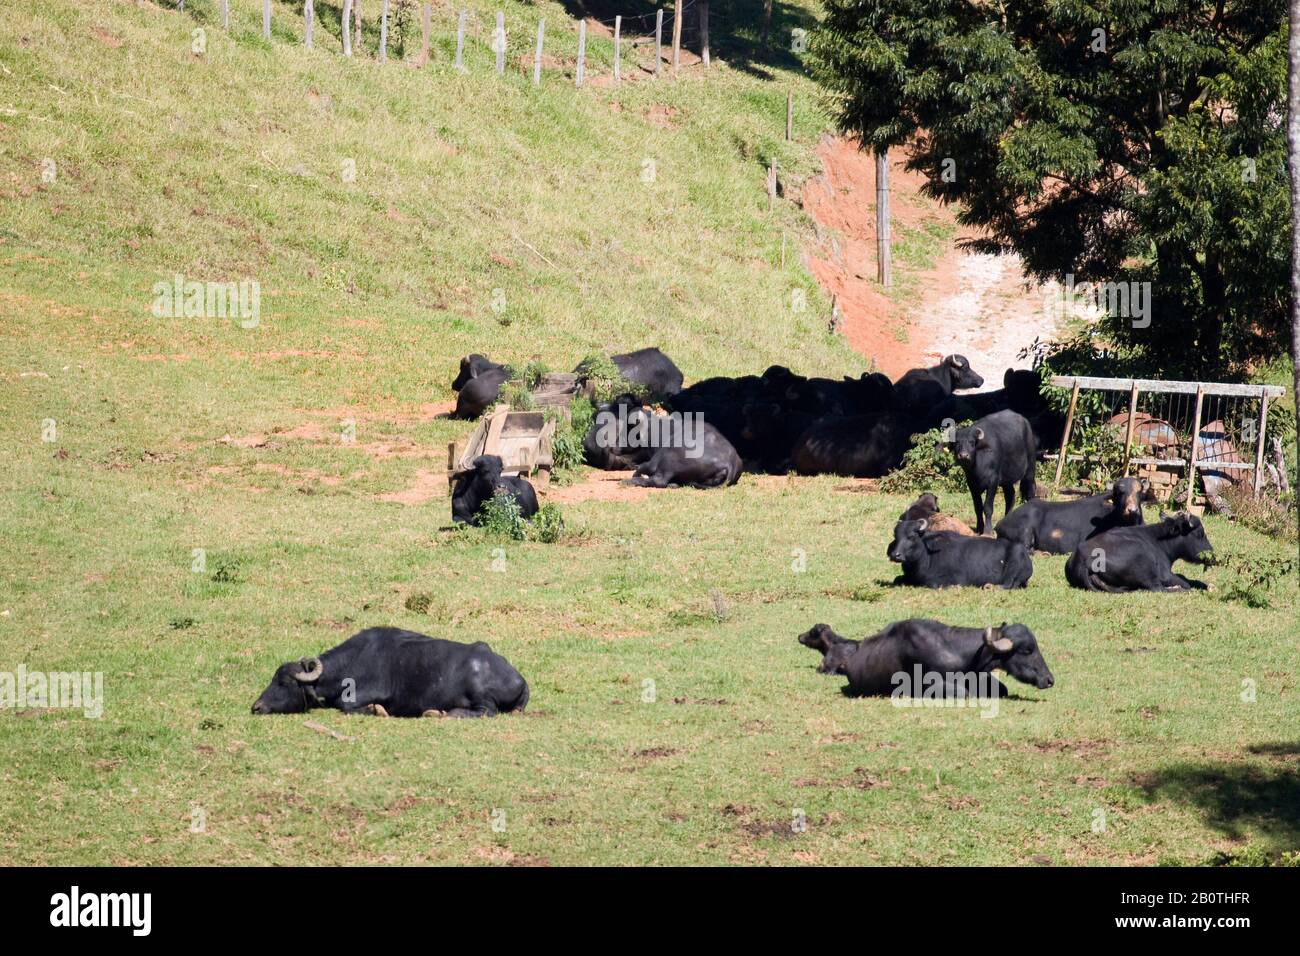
(347, 27)
(266, 18)
(225, 14)
(309, 15)
(1259, 451)
(383, 33)
(1191, 455)
(704, 31)
(499, 42)
(771, 184)
(659, 37)
(677, 35)
(789, 116)
(460, 42)
(582, 50)
(1065, 437)
(426, 32)
(883, 271)
(1128, 430)
(618, 49)
(834, 324)
(537, 57)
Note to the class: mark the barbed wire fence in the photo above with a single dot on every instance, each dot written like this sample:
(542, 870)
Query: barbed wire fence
(667, 30)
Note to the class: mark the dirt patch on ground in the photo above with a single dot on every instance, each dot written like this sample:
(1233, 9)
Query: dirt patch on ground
(428, 485)
(597, 486)
(978, 305)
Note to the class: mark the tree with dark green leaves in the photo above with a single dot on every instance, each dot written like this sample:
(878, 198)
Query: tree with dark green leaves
(1114, 141)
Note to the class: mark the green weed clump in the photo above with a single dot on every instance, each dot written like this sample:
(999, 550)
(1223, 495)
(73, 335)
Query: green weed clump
(502, 518)
(927, 466)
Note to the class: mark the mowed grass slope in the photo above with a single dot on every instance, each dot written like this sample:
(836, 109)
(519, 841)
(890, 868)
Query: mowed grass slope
(673, 718)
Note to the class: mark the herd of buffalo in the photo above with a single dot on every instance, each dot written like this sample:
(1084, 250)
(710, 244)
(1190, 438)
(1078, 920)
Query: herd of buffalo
(780, 422)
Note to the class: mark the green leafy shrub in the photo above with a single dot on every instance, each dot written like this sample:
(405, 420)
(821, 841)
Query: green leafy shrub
(927, 466)
(606, 381)
(547, 525)
(566, 448)
(501, 517)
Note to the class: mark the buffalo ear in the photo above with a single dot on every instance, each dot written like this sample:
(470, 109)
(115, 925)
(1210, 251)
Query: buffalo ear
(979, 434)
(1003, 645)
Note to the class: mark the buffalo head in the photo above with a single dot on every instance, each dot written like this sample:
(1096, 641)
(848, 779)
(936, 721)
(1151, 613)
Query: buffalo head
(908, 543)
(291, 688)
(962, 375)
(1015, 650)
(1192, 544)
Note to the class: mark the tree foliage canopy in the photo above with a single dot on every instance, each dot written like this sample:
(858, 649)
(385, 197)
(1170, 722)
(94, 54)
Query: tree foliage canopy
(1114, 140)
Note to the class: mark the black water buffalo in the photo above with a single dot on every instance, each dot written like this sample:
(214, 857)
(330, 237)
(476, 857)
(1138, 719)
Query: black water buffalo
(1058, 527)
(692, 453)
(996, 452)
(922, 388)
(472, 366)
(480, 392)
(769, 433)
(835, 650)
(924, 507)
(651, 369)
(473, 488)
(1021, 392)
(869, 394)
(1140, 558)
(941, 559)
(859, 446)
(888, 662)
(391, 672)
(607, 444)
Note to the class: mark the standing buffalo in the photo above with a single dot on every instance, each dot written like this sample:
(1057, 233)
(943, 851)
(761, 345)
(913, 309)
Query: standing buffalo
(952, 655)
(941, 559)
(390, 672)
(996, 452)
(835, 650)
(923, 388)
(474, 488)
(1058, 527)
(1140, 558)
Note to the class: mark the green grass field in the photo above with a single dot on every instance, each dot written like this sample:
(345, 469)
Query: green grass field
(673, 719)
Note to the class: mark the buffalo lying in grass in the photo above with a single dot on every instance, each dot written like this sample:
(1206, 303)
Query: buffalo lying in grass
(390, 672)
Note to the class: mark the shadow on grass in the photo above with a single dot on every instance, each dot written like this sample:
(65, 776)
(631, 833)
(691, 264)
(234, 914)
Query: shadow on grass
(1239, 800)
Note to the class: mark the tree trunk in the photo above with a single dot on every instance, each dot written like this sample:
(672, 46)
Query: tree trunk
(1293, 160)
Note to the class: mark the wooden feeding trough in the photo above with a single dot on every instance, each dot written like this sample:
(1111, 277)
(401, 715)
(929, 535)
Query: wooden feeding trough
(556, 390)
(523, 440)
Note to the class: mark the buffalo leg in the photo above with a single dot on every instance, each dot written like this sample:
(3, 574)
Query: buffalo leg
(990, 503)
(1009, 496)
(978, 498)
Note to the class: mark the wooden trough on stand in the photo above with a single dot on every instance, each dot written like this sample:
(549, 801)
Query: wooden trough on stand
(523, 439)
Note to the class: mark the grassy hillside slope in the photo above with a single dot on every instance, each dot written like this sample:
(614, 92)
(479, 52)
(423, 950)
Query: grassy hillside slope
(673, 719)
